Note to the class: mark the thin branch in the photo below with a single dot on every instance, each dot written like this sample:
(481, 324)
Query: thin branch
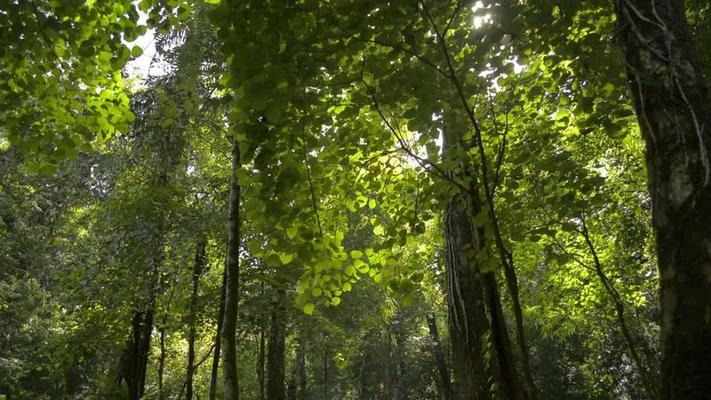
(314, 207)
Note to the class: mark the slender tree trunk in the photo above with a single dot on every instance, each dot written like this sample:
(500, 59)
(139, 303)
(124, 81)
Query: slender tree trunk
(162, 355)
(198, 267)
(301, 369)
(445, 382)
(229, 324)
(529, 386)
(388, 378)
(510, 387)
(276, 377)
(402, 390)
(216, 355)
(325, 374)
(674, 113)
(261, 363)
(161, 360)
(132, 368)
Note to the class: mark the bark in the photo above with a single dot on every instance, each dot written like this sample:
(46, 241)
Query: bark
(301, 369)
(261, 363)
(276, 377)
(527, 390)
(529, 386)
(510, 387)
(161, 361)
(325, 374)
(402, 390)
(198, 267)
(468, 324)
(445, 382)
(672, 106)
(162, 355)
(216, 355)
(132, 369)
(388, 378)
(229, 324)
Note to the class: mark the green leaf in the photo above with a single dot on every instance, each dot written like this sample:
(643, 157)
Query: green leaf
(285, 258)
(136, 52)
(309, 308)
(291, 232)
(356, 254)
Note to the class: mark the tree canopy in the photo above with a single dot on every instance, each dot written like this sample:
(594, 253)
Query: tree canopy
(355, 199)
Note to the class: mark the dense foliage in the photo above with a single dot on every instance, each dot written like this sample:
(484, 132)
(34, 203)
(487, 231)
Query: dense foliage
(345, 199)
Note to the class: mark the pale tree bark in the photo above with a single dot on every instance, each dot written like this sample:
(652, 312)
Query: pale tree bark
(672, 106)
(229, 324)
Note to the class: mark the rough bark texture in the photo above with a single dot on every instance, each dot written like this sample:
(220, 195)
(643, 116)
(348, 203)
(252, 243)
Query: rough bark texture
(276, 377)
(198, 267)
(445, 382)
(468, 324)
(229, 323)
(672, 105)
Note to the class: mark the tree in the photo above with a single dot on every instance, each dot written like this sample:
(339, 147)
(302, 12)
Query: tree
(672, 105)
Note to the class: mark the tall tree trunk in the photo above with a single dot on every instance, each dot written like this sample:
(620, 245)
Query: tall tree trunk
(162, 355)
(132, 368)
(445, 382)
(402, 389)
(261, 363)
(468, 324)
(301, 369)
(218, 335)
(161, 360)
(229, 324)
(276, 377)
(134, 362)
(198, 267)
(672, 106)
(388, 378)
(511, 387)
(325, 374)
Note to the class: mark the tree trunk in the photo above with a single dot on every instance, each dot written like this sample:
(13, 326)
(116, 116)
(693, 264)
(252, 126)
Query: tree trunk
(198, 267)
(511, 387)
(301, 369)
(388, 378)
(445, 382)
(276, 377)
(229, 323)
(672, 106)
(132, 368)
(218, 335)
(325, 374)
(161, 360)
(162, 355)
(468, 324)
(261, 363)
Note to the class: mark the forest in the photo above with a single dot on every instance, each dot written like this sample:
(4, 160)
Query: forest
(355, 199)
